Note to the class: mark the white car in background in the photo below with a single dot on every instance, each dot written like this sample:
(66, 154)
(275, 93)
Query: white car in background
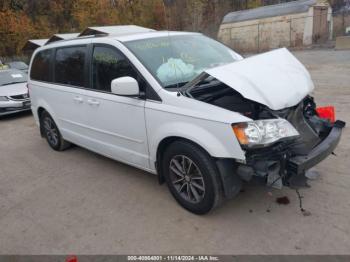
(20, 65)
(14, 95)
(185, 107)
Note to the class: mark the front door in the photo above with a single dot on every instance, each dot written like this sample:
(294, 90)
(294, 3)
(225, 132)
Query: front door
(116, 124)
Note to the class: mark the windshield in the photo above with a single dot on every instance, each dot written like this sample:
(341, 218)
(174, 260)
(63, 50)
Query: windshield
(8, 77)
(19, 65)
(176, 60)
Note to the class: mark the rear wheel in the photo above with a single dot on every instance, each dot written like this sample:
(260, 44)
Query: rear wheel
(51, 133)
(192, 177)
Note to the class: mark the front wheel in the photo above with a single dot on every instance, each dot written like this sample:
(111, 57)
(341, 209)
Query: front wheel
(192, 177)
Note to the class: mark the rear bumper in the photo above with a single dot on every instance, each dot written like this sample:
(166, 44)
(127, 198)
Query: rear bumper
(299, 164)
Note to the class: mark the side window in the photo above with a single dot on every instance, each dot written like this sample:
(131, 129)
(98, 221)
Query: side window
(69, 65)
(108, 64)
(41, 66)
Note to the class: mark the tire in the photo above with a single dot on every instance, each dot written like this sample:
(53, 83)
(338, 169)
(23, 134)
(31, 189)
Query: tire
(198, 189)
(51, 133)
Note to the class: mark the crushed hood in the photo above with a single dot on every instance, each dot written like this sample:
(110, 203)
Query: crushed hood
(276, 78)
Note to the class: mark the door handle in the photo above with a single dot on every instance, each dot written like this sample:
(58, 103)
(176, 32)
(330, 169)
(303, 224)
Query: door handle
(93, 102)
(78, 99)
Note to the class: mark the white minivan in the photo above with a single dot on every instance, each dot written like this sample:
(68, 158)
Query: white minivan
(184, 107)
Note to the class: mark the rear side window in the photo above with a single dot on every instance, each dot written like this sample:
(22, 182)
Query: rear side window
(107, 65)
(69, 66)
(41, 66)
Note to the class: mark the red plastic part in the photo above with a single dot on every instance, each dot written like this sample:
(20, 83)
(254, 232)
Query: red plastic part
(326, 112)
(72, 259)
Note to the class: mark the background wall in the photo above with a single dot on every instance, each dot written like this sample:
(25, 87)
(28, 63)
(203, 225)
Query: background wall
(267, 33)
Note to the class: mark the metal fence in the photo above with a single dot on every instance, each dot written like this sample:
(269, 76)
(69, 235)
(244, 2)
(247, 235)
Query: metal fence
(293, 31)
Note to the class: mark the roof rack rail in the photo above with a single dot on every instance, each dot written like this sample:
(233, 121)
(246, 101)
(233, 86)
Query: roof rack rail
(78, 37)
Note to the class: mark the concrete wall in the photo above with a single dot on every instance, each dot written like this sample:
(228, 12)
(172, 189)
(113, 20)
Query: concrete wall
(293, 30)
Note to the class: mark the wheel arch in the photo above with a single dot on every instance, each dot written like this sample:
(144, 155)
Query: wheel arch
(39, 111)
(230, 182)
(164, 144)
(43, 106)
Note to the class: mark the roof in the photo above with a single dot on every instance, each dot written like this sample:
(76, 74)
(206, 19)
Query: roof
(293, 7)
(115, 30)
(32, 44)
(58, 37)
(121, 38)
(154, 34)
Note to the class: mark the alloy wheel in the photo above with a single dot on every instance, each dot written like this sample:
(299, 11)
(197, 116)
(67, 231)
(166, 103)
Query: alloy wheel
(51, 131)
(187, 178)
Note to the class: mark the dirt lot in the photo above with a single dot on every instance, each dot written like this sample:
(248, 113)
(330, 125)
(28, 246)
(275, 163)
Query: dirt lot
(77, 202)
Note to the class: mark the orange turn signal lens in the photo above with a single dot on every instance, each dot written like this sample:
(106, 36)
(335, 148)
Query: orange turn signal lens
(240, 134)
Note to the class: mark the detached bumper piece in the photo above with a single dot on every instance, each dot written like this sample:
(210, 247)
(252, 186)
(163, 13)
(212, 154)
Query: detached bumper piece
(297, 165)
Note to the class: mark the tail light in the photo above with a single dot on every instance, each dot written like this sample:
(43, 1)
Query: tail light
(326, 112)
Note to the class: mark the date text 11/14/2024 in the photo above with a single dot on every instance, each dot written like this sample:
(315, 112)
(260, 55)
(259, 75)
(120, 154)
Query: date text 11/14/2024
(173, 258)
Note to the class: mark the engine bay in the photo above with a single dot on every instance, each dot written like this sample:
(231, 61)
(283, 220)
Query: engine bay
(303, 117)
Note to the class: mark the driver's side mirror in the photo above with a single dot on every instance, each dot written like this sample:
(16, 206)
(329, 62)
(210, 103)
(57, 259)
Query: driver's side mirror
(125, 86)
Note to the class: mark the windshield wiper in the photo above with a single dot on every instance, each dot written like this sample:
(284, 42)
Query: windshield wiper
(176, 86)
(12, 83)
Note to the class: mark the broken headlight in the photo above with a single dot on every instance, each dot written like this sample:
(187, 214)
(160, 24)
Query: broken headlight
(263, 132)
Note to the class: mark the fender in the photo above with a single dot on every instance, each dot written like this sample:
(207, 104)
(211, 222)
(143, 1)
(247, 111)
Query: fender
(223, 145)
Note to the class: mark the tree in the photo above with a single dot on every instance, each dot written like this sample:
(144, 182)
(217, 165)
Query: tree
(21, 20)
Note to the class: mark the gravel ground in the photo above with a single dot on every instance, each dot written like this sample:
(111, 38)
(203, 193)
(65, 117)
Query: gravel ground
(78, 202)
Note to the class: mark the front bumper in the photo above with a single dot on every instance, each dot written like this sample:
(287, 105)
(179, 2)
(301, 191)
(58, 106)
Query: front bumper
(281, 166)
(299, 164)
(12, 107)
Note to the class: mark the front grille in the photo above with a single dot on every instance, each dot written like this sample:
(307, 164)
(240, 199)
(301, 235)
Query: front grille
(20, 97)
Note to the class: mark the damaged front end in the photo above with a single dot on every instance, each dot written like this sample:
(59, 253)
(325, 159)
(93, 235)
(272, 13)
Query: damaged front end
(278, 162)
(286, 162)
(273, 90)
